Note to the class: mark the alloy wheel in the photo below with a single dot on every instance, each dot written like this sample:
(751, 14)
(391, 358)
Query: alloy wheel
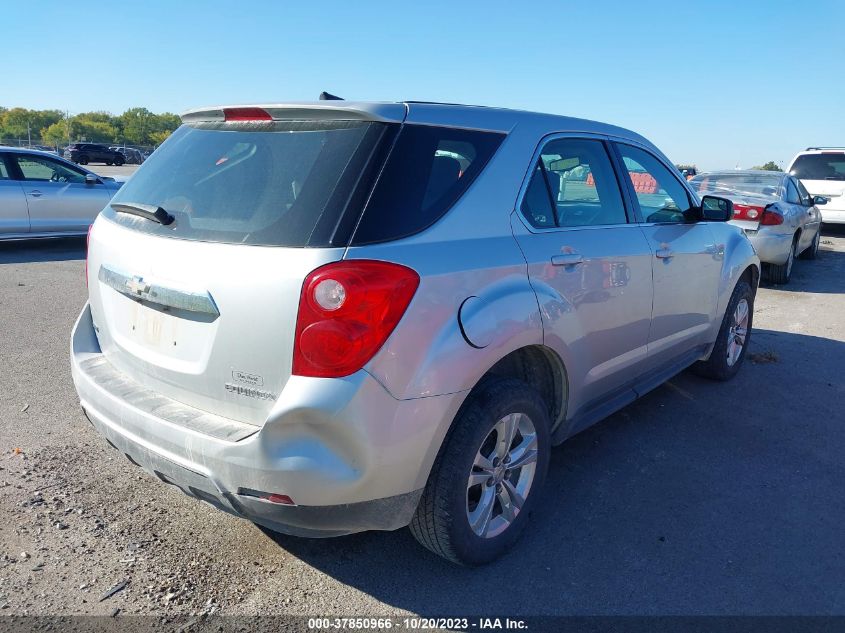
(738, 332)
(501, 476)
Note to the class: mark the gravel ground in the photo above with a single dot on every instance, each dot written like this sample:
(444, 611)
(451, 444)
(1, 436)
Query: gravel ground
(701, 498)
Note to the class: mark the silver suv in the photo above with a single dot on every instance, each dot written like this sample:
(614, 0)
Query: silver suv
(334, 317)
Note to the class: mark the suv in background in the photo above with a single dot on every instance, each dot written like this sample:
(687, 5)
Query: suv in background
(822, 171)
(84, 153)
(329, 318)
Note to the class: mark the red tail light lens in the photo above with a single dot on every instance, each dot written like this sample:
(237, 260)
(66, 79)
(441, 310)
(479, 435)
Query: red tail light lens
(771, 218)
(346, 312)
(246, 114)
(747, 212)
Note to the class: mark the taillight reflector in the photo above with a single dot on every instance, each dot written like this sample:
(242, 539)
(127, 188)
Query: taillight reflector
(346, 312)
(284, 500)
(747, 212)
(246, 114)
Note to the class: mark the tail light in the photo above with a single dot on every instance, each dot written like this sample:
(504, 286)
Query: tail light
(747, 212)
(346, 312)
(771, 218)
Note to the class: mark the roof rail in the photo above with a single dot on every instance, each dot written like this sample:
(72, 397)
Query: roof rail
(809, 149)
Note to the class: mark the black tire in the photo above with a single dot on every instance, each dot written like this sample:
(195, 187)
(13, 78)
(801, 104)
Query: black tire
(441, 522)
(83, 160)
(781, 274)
(118, 162)
(812, 251)
(717, 367)
(109, 164)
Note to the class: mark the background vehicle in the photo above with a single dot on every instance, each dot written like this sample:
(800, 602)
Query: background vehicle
(477, 286)
(84, 153)
(822, 172)
(131, 155)
(42, 195)
(776, 212)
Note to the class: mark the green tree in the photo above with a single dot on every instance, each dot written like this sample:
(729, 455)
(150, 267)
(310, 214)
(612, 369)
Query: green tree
(137, 124)
(18, 122)
(55, 134)
(770, 166)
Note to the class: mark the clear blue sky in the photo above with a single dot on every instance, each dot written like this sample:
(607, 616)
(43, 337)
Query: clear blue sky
(712, 82)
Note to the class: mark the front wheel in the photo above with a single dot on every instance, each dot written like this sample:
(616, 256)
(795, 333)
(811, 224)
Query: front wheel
(734, 336)
(812, 250)
(484, 482)
(118, 162)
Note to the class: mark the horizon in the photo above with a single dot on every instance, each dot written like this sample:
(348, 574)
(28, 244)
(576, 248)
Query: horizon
(744, 93)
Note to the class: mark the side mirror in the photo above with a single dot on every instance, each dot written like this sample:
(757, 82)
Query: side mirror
(716, 209)
(91, 179)
(820, 200)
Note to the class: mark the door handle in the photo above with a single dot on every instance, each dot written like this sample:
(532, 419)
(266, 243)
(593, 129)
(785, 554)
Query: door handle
(35, 193)
(568, 259)
(664, 253)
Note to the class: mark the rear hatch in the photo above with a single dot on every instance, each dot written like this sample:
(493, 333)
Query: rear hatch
(202, 309)
(823, 174)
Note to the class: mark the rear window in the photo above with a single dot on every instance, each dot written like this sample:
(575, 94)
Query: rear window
(428, 170)
(754, 184)
(262, 183)
(828, 166)
(304, 183)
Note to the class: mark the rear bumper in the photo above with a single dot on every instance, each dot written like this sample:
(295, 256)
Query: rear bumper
(772, 248)
(350, 456)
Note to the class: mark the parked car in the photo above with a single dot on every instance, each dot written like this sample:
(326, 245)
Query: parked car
(42, 195)
(84, 153)
(776, 212)
(822, 171)
(362, 316)
(131, 156)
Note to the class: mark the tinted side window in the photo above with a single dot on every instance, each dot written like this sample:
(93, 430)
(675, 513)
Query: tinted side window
(537, 201)
(40, 168)
(792, 196)
(662, 198)
(4, 173)
(428, 170)
(805, 195)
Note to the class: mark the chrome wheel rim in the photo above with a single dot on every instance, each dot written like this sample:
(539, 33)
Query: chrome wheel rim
(501, 475)
(738, 332)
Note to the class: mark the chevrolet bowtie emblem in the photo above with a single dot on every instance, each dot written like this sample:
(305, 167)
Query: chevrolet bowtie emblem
(137, 286)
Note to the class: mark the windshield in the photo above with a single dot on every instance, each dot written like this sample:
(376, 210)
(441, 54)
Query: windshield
(825, 166)
(266, 183)
(753, 184)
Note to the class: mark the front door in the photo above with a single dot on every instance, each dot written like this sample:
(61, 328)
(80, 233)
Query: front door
(686, 260)
(57, 195)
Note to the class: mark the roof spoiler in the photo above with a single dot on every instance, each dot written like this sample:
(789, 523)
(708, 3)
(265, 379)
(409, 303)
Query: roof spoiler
(810, 149)
(324, 110)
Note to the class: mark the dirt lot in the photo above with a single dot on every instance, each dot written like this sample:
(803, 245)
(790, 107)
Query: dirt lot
(701, 498)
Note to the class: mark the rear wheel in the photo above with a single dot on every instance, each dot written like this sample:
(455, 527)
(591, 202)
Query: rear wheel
(783, 273)
(83, 160)
(109, 164)
(118, 161)
(484, 483)
(812, 251)
(734, 335)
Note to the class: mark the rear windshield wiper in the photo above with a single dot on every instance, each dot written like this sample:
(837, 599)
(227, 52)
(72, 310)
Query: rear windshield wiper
(149, 211)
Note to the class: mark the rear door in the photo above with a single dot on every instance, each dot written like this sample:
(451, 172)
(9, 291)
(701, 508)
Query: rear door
(589, 265)
(13, 212)
(686, 259)
(58, 198)
(810, 215)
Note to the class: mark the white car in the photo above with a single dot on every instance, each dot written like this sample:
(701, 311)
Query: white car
(822, 171)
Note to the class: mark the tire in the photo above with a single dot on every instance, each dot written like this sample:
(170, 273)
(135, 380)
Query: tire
(721, 365)
(109, 164)
(781, 274)
(442, 520)
(83, 160)
(812, 251)
(118, 162)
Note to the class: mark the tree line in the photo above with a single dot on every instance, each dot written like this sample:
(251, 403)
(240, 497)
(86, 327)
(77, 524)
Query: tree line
(136, 126)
